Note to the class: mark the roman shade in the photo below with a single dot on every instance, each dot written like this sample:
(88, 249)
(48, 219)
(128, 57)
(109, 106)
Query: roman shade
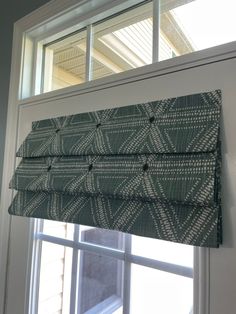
(151, 169)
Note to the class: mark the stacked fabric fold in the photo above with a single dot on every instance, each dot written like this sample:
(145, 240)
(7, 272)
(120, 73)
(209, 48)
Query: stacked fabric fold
(150, 169)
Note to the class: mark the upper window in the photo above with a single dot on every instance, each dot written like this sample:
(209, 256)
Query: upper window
(129, 38)
(116, 44)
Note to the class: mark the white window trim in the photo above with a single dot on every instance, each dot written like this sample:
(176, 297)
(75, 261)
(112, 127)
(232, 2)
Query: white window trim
(48, 11)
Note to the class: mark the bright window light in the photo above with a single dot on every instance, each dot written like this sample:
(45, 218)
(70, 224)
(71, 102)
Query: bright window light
(207, 23)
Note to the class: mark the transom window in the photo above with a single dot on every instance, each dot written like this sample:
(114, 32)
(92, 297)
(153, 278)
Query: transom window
(116, 44)
(148, 32)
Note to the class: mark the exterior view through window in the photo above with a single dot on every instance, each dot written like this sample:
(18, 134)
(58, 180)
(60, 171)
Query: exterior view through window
(125, 41)
(103, 271)
(87, 270)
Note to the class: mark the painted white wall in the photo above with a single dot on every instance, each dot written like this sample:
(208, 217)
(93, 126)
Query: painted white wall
(220, 75)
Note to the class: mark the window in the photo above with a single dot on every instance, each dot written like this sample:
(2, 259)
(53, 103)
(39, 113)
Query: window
(132, 37)
(113, 45)
(74, 249)
(90, 270)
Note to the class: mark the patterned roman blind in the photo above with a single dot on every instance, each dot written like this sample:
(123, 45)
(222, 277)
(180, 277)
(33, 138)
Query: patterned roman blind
(150, 169)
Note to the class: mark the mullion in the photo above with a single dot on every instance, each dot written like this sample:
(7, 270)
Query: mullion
(36, 267)
(156, 31)
(127, 275)
(89, 47)
(79, 273)
(74, 274)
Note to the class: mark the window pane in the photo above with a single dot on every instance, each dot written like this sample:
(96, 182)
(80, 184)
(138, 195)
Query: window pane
(123, 42)
(55, 279)
(58, 229)
(100, 286)
(154, 291)
(103, 237)
(195, 25)
(164, 251)
(65, 62)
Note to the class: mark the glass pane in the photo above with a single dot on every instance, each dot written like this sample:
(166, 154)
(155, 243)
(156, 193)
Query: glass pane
(103, 237)
(55, 279)
(154, 291)
(123, 42)
(164, 251)
(188, 26)
(65, 62)
(58, 229)
(100, 286)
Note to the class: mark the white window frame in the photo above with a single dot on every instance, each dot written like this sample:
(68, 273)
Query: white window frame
(46, 13)
(124, 255)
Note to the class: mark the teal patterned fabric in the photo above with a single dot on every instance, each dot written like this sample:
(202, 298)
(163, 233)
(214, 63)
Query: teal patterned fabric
(168, 178)
(177, 125)
(195, 225)
(149, 169)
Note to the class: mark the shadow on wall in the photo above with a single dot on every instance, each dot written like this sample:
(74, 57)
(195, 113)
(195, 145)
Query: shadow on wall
(8, 17)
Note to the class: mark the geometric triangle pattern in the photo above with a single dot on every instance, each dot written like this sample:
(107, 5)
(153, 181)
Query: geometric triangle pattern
(194, 225)
(150, 169)
(166, 178)
(177, 125)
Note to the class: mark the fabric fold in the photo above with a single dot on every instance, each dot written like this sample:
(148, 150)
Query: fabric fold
(186, 179)
(176, 125)
(191, 225)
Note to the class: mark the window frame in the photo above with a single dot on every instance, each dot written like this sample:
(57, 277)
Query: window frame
(78, 246)
(35, 37)
(32, 74)
(207, 56)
